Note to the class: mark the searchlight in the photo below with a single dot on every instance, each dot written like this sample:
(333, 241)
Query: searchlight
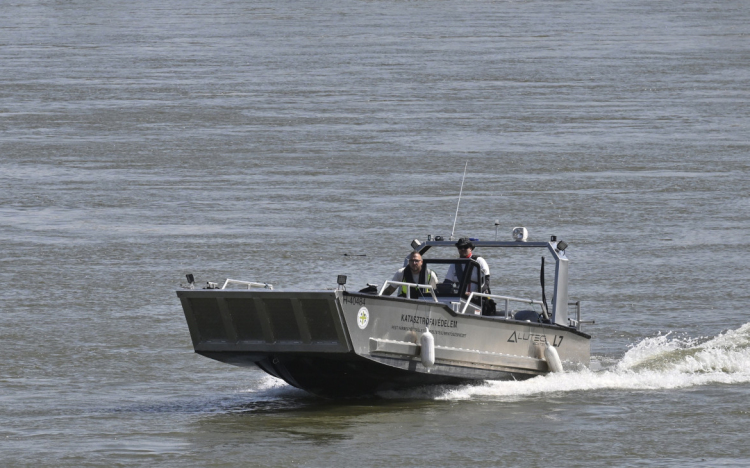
(520, 234)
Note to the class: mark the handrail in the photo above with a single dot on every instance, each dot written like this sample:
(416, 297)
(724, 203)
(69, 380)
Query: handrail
(429, 287)
(249, 284)
(577, 322)
(507, 300)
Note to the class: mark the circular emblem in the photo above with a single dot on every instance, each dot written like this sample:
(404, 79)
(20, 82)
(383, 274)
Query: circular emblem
(363, 318)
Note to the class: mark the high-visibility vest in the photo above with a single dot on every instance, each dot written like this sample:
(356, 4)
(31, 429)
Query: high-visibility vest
(409, 278)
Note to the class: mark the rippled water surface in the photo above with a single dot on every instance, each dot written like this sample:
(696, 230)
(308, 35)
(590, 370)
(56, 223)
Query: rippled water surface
(140, 141)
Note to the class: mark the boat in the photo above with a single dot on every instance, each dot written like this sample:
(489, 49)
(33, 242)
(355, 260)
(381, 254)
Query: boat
(338, 343)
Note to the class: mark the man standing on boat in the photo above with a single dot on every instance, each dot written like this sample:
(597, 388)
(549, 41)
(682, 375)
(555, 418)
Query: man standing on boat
(477, 284)
(413, 273)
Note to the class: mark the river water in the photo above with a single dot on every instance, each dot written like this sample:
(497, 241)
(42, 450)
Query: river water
(141, 141)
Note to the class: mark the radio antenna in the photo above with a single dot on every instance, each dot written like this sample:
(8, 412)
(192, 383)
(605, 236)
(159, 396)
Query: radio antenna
(459, 201)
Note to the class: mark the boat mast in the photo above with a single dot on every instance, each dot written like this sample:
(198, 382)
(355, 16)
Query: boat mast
(455, 218)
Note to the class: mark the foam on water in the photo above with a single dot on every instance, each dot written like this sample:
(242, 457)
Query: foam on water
(660, 362)
(269, 383)
(270, 388)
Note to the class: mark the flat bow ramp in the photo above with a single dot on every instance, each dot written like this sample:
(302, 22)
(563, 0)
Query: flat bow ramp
(334, 343)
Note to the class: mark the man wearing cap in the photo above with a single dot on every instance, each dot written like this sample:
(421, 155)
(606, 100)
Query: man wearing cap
(413, 273)
(465, 250)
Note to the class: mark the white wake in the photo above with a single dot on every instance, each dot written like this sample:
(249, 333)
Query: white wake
(661, 362)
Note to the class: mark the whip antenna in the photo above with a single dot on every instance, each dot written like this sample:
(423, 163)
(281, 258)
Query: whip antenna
(459, 200)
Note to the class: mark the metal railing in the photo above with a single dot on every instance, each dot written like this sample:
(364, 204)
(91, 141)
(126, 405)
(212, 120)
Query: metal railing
(507, 300)
(249, 284)
(577, 322)
(428, 287)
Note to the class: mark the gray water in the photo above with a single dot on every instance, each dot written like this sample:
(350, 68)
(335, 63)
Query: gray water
(140, 141)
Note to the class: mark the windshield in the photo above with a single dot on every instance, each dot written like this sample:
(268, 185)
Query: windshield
(515, 272)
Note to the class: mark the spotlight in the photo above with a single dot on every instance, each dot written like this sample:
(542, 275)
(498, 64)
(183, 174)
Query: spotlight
(520, 234)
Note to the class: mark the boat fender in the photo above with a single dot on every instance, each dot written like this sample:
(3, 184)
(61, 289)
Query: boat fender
(553, 359)
(427, 352)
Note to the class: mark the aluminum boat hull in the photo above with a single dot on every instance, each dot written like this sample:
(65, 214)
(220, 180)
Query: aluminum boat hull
(335, 343)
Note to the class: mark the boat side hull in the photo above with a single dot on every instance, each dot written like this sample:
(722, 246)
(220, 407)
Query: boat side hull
(464, 344)
(334, 343)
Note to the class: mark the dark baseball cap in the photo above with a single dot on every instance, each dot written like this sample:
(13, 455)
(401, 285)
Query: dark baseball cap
(464, 243)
